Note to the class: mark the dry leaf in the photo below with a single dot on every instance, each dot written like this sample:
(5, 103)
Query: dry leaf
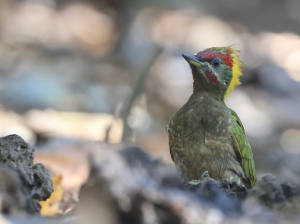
(51, 205)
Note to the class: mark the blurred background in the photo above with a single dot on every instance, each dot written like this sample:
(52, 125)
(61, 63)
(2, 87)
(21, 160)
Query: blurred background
(77, 69)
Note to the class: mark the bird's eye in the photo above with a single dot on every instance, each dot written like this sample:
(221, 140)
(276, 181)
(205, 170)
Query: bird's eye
(216, 62)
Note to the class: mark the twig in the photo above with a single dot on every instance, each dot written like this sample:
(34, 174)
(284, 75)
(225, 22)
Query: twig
(137, 90)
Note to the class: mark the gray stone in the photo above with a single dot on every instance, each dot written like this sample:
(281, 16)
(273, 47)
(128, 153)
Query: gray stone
(15, 199)
(16, 154)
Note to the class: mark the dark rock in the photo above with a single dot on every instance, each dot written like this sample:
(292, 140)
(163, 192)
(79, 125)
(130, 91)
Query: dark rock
(282, 198)
(207, 186)
(145, 187)
(224, 194)
(268, 191)
(14, 196)
(290, 190)
(16, 154)
(135, 156)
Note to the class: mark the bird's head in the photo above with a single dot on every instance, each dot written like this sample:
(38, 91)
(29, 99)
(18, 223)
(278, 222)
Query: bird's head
(216, 70)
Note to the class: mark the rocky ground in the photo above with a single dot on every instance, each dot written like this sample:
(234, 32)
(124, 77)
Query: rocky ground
(23, 184)
(126, 185)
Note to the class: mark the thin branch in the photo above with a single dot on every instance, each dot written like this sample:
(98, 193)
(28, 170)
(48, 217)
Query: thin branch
(137, 90)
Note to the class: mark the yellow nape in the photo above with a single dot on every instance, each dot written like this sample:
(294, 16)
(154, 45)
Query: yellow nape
(236, 73)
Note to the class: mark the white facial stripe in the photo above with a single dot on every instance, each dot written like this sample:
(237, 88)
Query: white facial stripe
(212, 69)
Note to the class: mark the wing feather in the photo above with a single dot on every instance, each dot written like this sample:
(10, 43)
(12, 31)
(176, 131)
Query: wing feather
(243, 149)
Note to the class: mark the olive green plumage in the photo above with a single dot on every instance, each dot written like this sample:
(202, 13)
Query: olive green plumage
(206, 135)
(243, 149)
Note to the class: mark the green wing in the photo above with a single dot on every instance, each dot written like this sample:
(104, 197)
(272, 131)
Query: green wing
(243, 149)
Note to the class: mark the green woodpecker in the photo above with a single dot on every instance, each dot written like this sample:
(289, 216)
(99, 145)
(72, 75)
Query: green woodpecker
(206, 135)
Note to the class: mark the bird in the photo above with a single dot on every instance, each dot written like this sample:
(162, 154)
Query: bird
(206, 135)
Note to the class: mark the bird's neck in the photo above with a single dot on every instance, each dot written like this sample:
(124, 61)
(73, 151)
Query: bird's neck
(212, 94)
(202, 86)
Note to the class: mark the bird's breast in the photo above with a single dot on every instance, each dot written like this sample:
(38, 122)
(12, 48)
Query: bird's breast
(199, 138)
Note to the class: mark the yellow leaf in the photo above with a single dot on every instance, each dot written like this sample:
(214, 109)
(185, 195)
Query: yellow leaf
(51, 205)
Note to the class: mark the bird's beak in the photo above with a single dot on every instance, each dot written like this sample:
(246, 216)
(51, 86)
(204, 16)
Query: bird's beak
(193, 60)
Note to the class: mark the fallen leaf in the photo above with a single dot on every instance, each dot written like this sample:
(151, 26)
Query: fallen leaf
(51, 206)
